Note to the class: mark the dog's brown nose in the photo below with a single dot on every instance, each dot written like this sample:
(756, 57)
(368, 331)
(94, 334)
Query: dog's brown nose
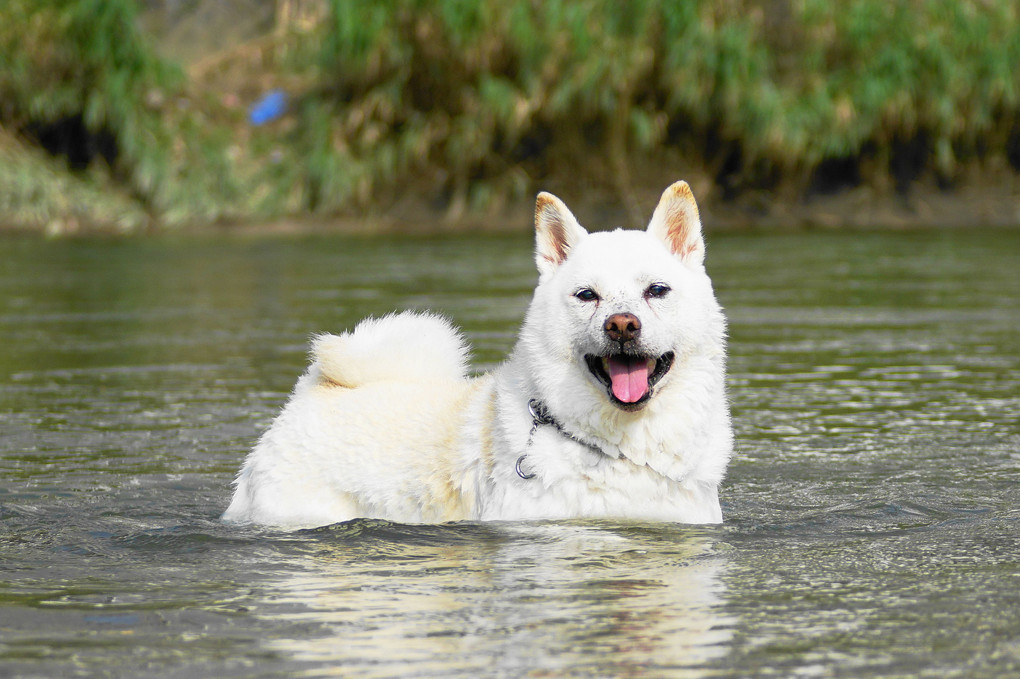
(622, 327)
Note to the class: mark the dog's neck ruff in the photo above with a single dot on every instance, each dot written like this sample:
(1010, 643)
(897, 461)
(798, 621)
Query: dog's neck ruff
(539, 416)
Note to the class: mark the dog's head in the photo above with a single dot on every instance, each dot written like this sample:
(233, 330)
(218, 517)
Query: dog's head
(616, 312)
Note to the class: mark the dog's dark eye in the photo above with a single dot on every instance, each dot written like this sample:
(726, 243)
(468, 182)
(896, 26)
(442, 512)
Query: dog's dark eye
(657, 290)
(586, 295)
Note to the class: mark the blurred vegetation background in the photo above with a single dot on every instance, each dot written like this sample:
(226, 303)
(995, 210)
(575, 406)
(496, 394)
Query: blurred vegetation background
(124, 116)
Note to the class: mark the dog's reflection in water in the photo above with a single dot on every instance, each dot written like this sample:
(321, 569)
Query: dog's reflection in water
(503, 599)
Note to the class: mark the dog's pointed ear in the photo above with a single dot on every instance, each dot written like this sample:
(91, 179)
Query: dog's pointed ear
(677, 223)
(556, 231)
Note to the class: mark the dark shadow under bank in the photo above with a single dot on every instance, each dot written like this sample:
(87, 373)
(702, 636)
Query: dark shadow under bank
(987, 206)
(994, 204)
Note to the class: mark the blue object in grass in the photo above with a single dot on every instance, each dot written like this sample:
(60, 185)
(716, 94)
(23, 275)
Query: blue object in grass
(268, 108)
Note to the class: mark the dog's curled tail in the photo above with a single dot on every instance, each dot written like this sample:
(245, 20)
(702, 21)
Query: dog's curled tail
(402, 347)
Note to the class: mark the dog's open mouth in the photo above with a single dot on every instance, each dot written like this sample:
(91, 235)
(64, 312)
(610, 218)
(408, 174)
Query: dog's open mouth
(629, 378)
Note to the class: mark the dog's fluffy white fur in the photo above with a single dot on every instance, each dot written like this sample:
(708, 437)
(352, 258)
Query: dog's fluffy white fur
(623, 345)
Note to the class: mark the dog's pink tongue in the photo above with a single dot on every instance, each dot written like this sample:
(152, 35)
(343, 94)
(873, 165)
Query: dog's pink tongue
(628, 376)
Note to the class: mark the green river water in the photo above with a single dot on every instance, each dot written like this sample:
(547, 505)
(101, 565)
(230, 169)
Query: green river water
(872, 511)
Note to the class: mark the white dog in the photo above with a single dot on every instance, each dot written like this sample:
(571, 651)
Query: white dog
(612, 403)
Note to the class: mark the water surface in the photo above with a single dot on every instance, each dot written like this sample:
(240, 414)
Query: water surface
(872, 511)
